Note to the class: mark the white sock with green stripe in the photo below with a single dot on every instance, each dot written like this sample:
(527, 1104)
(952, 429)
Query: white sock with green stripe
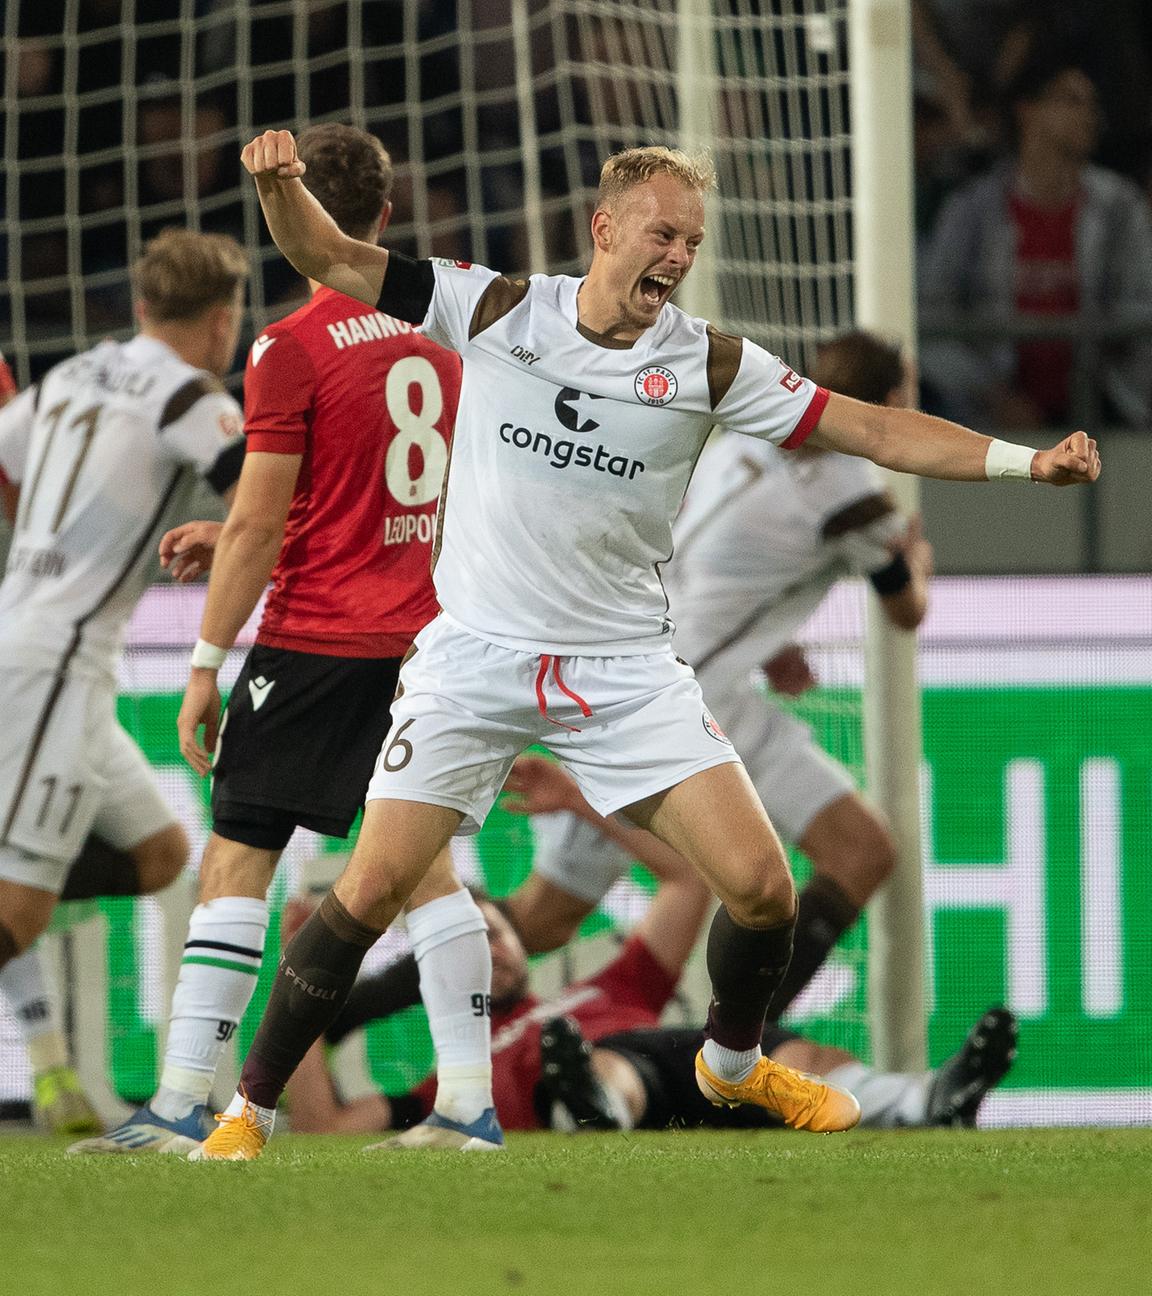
(217, 977)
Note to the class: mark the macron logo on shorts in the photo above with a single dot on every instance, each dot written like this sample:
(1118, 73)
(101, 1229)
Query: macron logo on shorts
(258, 690)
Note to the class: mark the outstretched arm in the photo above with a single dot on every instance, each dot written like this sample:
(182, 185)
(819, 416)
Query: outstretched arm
(908, 441)
(303, 230)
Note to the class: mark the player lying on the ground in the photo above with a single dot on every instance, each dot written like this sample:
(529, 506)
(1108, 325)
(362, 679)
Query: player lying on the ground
(638, 1074)
(761, 539)
(104, 449)
(584, 406)
(335, 509)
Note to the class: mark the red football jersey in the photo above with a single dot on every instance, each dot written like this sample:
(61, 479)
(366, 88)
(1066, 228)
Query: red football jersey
(370, 404)
(1047, 283)
(7, 382)
(629, 994)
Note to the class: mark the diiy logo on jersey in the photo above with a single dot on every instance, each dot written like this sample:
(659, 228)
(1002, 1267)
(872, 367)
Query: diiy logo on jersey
(560, 453)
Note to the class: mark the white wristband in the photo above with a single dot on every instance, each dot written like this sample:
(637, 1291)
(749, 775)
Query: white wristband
(208, 656)
(1006, 459)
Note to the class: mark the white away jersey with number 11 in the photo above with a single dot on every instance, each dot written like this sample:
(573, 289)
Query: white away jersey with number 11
(572, 453)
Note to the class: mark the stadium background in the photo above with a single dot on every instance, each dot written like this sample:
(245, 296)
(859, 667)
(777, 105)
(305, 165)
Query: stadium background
(1037, 691)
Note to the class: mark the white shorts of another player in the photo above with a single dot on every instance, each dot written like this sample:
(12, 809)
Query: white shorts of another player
(67, 768)
(794, 777)
(625, 728)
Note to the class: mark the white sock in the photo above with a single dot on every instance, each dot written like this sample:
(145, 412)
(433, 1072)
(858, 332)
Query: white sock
(732, 1065)
(450, 940)
(888, 1099)
(217, 977)
(265, 1116)
(33, 1002)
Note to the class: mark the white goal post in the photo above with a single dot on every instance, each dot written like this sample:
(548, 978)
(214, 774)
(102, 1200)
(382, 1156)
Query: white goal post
(882, 190)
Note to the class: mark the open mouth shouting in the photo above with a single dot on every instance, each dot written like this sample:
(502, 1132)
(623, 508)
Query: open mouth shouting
(655, 289)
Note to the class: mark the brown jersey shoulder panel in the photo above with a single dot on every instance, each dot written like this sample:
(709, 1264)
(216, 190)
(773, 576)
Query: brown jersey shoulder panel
(183, 398)
(501, 296)
(724, 353)
(859, 514)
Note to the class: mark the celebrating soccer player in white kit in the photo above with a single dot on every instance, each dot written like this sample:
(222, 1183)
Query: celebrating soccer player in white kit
(584, 405)
(105, 449)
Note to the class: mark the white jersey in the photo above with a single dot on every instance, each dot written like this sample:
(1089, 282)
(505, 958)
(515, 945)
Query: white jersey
(762, 538)
(571, 456)
(104, 450)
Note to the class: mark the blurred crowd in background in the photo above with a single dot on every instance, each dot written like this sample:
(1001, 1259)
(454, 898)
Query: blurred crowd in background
(1033, 142)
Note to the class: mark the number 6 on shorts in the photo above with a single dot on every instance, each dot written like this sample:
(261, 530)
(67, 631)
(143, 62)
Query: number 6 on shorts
(398, 744)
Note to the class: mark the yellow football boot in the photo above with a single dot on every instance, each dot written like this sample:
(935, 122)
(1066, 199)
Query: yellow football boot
(60, 1105)
(235, 1138)
(801, 1101)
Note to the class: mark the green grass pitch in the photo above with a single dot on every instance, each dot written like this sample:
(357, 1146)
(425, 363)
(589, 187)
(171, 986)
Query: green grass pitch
(680, 1214)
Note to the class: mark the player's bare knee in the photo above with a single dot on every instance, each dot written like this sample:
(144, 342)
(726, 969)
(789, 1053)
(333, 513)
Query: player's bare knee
(24, 914)
(850, 843)
(765, 899)
(864, 861)
(161, 858)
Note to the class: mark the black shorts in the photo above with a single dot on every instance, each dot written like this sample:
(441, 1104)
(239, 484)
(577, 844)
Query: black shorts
(664, 1057)
(298, 743)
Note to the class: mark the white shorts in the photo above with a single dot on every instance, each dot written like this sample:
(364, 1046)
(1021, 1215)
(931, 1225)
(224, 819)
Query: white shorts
(67, 768)
(574, 855)
(625, 728)
(793, 775)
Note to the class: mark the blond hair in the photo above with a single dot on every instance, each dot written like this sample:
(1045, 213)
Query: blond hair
(625, 170)
(181, 274)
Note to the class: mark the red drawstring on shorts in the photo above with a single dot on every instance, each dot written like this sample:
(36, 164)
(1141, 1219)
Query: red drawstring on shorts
(542, 702)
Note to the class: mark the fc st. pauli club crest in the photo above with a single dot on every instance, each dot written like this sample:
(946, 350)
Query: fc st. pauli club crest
(656, 385)
(713, 729)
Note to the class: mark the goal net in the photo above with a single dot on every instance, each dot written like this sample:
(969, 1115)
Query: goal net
(126, 117)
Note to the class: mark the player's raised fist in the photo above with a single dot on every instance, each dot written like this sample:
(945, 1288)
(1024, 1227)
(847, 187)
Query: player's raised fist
(1073, 462)
(272, 154)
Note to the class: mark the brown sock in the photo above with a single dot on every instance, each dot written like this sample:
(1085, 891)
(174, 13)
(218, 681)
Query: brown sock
(101, 870)
(746, 965)
(316, 972)
(823, 915)
(8, 947)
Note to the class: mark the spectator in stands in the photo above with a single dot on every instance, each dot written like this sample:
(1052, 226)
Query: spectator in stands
(1045, 232)
(969, 52)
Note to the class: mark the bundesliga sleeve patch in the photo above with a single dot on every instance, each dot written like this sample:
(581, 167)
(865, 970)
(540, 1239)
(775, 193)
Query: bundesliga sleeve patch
(449, 264)
(656, 385)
